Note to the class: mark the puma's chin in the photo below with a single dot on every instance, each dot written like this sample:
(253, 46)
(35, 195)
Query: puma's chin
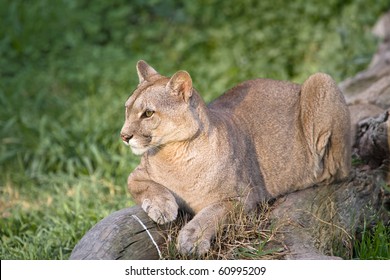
(138, 151)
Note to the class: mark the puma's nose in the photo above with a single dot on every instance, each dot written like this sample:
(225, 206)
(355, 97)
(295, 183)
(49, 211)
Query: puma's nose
(126, 138)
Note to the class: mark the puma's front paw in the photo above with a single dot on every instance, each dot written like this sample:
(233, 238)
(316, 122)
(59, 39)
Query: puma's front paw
(160, 211)
(191, 241)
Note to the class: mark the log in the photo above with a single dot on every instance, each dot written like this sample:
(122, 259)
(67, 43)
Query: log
(316, 223)
(127, 234)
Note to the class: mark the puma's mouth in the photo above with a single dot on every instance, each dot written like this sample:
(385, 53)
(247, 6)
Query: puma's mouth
(136, 147)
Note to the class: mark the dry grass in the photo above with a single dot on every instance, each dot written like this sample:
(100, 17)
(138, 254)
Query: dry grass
(244, 236)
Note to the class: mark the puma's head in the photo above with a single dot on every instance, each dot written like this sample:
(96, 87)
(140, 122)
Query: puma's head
(160, 111)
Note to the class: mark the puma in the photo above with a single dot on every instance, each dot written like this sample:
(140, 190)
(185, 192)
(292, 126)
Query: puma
(259, 140)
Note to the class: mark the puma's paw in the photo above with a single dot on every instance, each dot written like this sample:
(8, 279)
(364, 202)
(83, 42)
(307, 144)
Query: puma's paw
(191, 241)
(160, 211)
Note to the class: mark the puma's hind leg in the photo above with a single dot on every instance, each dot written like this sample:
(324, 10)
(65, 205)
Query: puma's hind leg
(326, 127)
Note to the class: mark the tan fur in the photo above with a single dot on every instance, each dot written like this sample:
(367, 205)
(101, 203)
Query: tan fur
(259, 140)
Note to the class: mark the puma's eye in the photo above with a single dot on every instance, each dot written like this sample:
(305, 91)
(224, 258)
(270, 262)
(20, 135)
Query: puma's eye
(148, 114)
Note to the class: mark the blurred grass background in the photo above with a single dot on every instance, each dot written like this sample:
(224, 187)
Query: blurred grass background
(67, 67)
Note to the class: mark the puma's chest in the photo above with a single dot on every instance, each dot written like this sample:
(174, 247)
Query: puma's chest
(190, 175)
(179, 171)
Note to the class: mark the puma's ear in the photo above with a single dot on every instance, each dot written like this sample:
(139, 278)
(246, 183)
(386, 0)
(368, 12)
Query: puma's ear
(144, 71)
(181, 85)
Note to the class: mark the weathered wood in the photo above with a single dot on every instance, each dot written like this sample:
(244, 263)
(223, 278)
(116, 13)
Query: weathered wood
(320, 222)
(120, 236)
(373, 140)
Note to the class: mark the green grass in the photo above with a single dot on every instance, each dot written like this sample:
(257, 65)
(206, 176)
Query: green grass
(374, 244)
(67, 67)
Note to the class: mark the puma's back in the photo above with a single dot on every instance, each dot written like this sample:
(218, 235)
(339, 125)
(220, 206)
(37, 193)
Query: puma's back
(278, 116)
